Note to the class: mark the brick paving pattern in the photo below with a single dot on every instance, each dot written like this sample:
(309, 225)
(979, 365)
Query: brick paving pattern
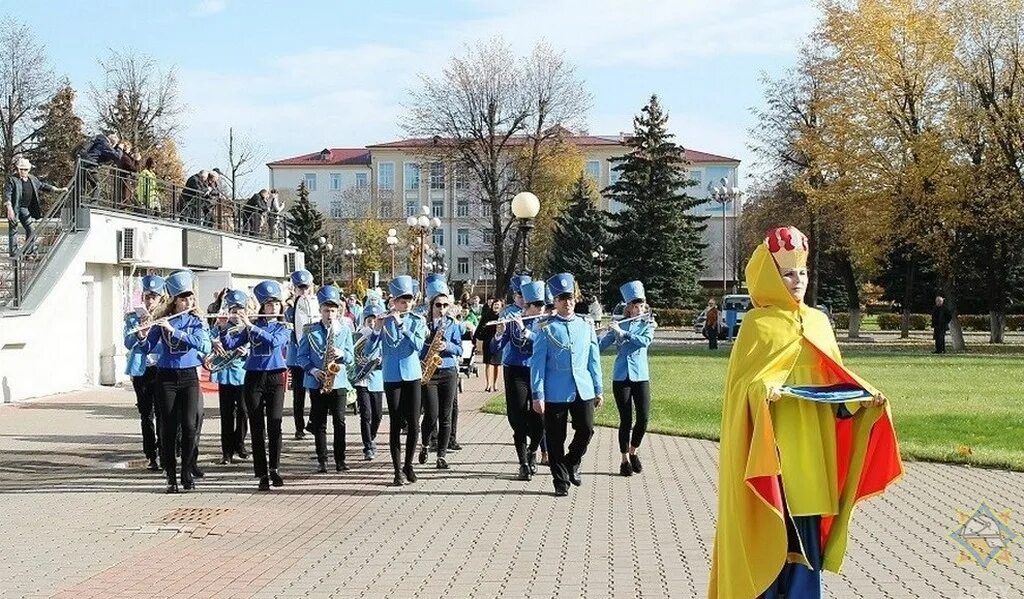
(82, 518)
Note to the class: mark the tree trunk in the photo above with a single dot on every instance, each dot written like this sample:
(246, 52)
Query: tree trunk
(852, 293)
(812, 287)
(855, 318)
(997, 327)
(955, 330)
(908, 298)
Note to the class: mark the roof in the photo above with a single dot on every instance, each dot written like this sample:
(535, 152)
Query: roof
(329, 156)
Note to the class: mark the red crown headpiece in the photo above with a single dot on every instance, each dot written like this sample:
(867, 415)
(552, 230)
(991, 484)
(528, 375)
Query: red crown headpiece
(788, 246)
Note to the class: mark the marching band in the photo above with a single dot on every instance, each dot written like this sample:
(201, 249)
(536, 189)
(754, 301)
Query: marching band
(395, 351)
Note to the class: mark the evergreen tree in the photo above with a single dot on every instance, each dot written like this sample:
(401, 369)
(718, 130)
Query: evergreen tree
(655, 238)
(59, 134)
(579, 230)
(305, 223)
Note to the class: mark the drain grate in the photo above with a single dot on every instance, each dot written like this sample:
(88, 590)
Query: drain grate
(198, 516)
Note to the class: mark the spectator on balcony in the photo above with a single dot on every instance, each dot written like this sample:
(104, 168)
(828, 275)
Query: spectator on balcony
(147, 190)
(213, 198)
(127, 169)
(193, 196)
(252, 216)
(275, 216)
(100, 150)
(22, 201)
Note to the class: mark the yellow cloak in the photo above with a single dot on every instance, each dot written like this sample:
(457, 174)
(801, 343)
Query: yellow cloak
(750, 539)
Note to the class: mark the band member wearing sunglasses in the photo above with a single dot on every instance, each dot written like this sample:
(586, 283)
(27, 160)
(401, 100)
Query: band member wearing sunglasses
(439, 392)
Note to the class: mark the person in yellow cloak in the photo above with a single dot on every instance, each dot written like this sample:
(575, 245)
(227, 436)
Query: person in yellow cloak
(803, 439)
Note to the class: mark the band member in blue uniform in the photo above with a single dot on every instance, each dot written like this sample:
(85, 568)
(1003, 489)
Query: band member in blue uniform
(227, 369)
(302, 286)
(183, 338)
(141, 366)
(565, 376)
(267, 337)
(401, 335)
(631, 378)
(516, 342)
(327, 390)
(369, 388)
(439, 392)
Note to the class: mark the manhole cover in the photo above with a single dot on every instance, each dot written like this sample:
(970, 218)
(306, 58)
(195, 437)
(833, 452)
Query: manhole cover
(200, 516)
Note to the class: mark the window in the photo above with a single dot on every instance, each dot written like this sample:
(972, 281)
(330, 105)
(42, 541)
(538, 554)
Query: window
(485, 210)
(437, 208)
(411, 208)
(461, 179)
(696, 176)
(488, 237)
(335, 181)
(436, 175)
(614, 175)
(412, 176)
(386, 175)
(462, 237)
(594, 170)
(310, 181)
(362, 181)
(437, 238)
(385, 210)
(463, 266)
(336, 209)
(462, 208)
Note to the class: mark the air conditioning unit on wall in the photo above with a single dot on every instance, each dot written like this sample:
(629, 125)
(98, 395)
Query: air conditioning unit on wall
(289, 263)
(128, 245)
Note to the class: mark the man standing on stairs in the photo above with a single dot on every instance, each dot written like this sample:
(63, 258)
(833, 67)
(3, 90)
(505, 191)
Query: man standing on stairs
(22, 203)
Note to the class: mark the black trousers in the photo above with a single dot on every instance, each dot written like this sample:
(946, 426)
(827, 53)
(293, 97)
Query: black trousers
(555, 421)
(371, 411)
(200, 418)
(146, 402)
(233, 419)
(178, 394)
(940, 341)
(403, 407)
(438, 397)
(320, 405)
(712, 335)
(298, 397)
(527, 425)
(627, 394)
(264, 400)
(455, 411)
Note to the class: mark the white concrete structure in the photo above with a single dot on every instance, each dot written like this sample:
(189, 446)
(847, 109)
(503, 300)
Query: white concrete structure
(68, 333)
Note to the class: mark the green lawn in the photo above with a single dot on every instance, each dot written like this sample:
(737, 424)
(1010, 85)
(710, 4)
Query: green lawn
(941, 405)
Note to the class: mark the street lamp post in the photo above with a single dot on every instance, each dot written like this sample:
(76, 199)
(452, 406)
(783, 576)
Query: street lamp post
(423, 225)
(725, 194)
(322, 247)
(599, 256)
(525, 207)
(392, 243)
(353, 252)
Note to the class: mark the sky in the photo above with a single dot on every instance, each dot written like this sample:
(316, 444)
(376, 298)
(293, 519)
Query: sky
(300, 76)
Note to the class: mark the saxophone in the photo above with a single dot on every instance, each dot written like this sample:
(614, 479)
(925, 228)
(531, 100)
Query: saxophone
(432, 361)
(362, 366)
(330, 368)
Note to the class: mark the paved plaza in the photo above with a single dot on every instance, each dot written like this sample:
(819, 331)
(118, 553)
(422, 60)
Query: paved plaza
(83, 518)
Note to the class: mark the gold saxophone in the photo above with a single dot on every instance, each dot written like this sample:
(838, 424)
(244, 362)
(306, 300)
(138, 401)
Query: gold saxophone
(432, 361)
(331, 368)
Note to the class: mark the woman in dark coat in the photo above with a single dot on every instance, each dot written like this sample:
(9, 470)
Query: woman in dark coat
(485, 334)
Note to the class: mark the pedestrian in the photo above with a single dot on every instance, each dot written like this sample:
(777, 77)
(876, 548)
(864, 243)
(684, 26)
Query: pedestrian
(631, 384)
(147, 188)
(100, 150)
(565, 378)
(23, 203)
(266, 337)
(193, 198)
(803, 439)
(141, 366)
(275, 216)
(485, 333)
(230, 378)
(253, 212)
(940, 323)
(712, 324)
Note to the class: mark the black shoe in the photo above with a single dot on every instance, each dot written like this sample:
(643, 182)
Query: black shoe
(309, 428)
(242, 453)
(524, 472)
(225, 459)
(454, 446)
(531, 462)
(299, 435)
(625, 469)
(341, 467)
(399, 481)
(442, 464)
(322, 467)
(561, 491)
(172, 487)
(276, 478)
(197, 473)
(187, 484)
(575, 477)
(153, 465)
(634, 462)
(264, 483)
(410, 475)
(423, 456)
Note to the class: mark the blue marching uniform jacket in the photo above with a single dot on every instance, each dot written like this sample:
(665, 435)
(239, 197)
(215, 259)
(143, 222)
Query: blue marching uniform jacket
(631, 361)
(510, 354)
(293, 346)
(266, 340)
(181, 348)
(516, 344)
(566, 361)
(453, 344)
(313, 347)
(400, 348)
(374, 381)
(140, 356)
(234, 372)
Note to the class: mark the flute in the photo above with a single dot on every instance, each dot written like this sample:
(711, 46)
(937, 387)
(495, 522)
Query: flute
(159, 321)
(508, 320)
(646, 316)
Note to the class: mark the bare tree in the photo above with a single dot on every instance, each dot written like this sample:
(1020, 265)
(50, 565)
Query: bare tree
(137, 99)
(244, 155)
(26, 83)
(486, 109)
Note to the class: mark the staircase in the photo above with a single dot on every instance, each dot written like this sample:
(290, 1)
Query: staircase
(49, 231)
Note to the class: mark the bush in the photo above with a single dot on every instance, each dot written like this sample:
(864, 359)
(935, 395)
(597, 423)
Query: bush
(675, 317)
(842, 320)
(1015, 322)
(894, 321)
(975, 322)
